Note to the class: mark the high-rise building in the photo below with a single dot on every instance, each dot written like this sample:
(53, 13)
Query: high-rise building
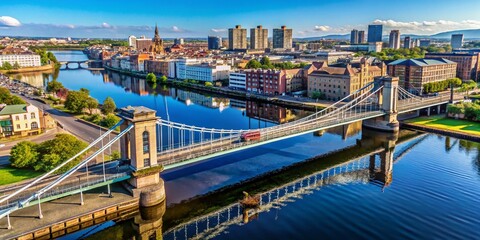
(424, 42)
(394, 39)
(375, 33)
(237, 38)
(361, 37)
(407, 43)
(282, 38)
(178, 41)
(457, 41)
(354, 37)
(258, 38)
(214, 42)
(132, 41)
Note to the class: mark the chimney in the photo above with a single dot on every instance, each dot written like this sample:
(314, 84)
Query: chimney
(259, 26)
(238, 26)
(284, 27)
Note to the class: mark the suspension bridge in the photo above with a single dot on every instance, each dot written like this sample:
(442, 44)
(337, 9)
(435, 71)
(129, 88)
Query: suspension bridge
(151, 144)
(374, 168)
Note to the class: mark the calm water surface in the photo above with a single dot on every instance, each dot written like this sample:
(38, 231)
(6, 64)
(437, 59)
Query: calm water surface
(433, 192)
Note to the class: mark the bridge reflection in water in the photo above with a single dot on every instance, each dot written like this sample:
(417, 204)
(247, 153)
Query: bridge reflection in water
(376, 169)
(372, 166)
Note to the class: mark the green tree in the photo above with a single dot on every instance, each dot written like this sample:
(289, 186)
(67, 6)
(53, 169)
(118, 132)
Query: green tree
(54, 86)
(7, 98)
(151, 78)
(208, 84)
(265, 61)
(24, 155)
(76, 101)
(253, 64)
(163, 79)
(55, 151)
(7, 66)
(318, 95)
(16, 65)
(91, 104)
(108, 106)
(110, 120)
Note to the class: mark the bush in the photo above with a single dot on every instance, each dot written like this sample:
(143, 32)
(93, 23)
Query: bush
(24, 155)
(109, 121)
(208, 84)
(163, 79)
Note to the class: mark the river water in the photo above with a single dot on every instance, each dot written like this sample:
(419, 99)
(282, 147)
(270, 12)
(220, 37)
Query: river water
(430, 192)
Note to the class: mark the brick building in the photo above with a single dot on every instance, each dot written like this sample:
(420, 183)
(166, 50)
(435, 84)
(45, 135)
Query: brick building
(468, 64)
(414, 73)
(340, 80)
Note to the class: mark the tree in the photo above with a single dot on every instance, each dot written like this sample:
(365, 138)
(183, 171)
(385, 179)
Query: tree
(54, 86)
(61, 148)
(253, 64)
(208, 84)
(7, 66)
(110, 120)
(16, 65)
(7, 98)
(108, 106)
(76, 101)
(24, 155)
(91, 104)
(163, 79)
(151, 78)
(317, 95)
(265, 61)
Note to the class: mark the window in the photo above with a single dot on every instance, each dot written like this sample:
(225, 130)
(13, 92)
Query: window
(26, 125)
(17, 118)
(146, 162)
(34, 125)
(18, 126)
(24, 116)
(32, 115)
(145, 142)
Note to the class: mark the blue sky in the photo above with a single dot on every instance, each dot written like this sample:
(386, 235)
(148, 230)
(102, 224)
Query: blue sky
(189, 18)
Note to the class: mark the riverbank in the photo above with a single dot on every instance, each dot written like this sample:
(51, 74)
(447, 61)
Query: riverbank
(440, 124)
(236, 94)
(29, 69)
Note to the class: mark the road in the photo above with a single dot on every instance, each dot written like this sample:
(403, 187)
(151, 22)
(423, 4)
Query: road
(84, 131)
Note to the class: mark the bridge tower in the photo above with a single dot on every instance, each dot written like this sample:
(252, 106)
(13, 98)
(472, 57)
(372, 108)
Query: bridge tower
(140, 146)
(387, 100)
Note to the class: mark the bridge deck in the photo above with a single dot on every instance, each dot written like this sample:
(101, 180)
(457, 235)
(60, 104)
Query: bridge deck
(26, 220)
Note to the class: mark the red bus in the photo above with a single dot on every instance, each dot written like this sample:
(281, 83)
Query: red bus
(250, 136)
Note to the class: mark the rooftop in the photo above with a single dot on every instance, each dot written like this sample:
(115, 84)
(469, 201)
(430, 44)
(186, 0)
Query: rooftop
(13, 109)
(421, 62)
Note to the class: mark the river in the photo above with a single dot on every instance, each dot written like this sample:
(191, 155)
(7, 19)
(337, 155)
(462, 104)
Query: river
(430, 192)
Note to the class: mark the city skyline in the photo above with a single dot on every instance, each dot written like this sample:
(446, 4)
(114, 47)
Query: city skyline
(199, 19)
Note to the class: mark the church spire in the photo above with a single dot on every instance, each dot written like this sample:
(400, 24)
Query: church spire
(156, 30)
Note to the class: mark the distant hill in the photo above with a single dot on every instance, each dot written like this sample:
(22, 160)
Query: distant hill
(469, 34)
(332, 37)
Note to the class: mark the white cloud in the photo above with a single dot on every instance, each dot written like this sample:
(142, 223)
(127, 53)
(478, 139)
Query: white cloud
(217, 30)
(176, 29)
(6, 21)
(322, 28)
(428, 26)
(106, 25)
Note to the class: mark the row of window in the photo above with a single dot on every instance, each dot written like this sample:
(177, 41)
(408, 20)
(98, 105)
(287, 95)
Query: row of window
(32, 116)
(34, 125)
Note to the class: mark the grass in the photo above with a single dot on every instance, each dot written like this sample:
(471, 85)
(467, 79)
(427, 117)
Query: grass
(13, 175)
(441, 122)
